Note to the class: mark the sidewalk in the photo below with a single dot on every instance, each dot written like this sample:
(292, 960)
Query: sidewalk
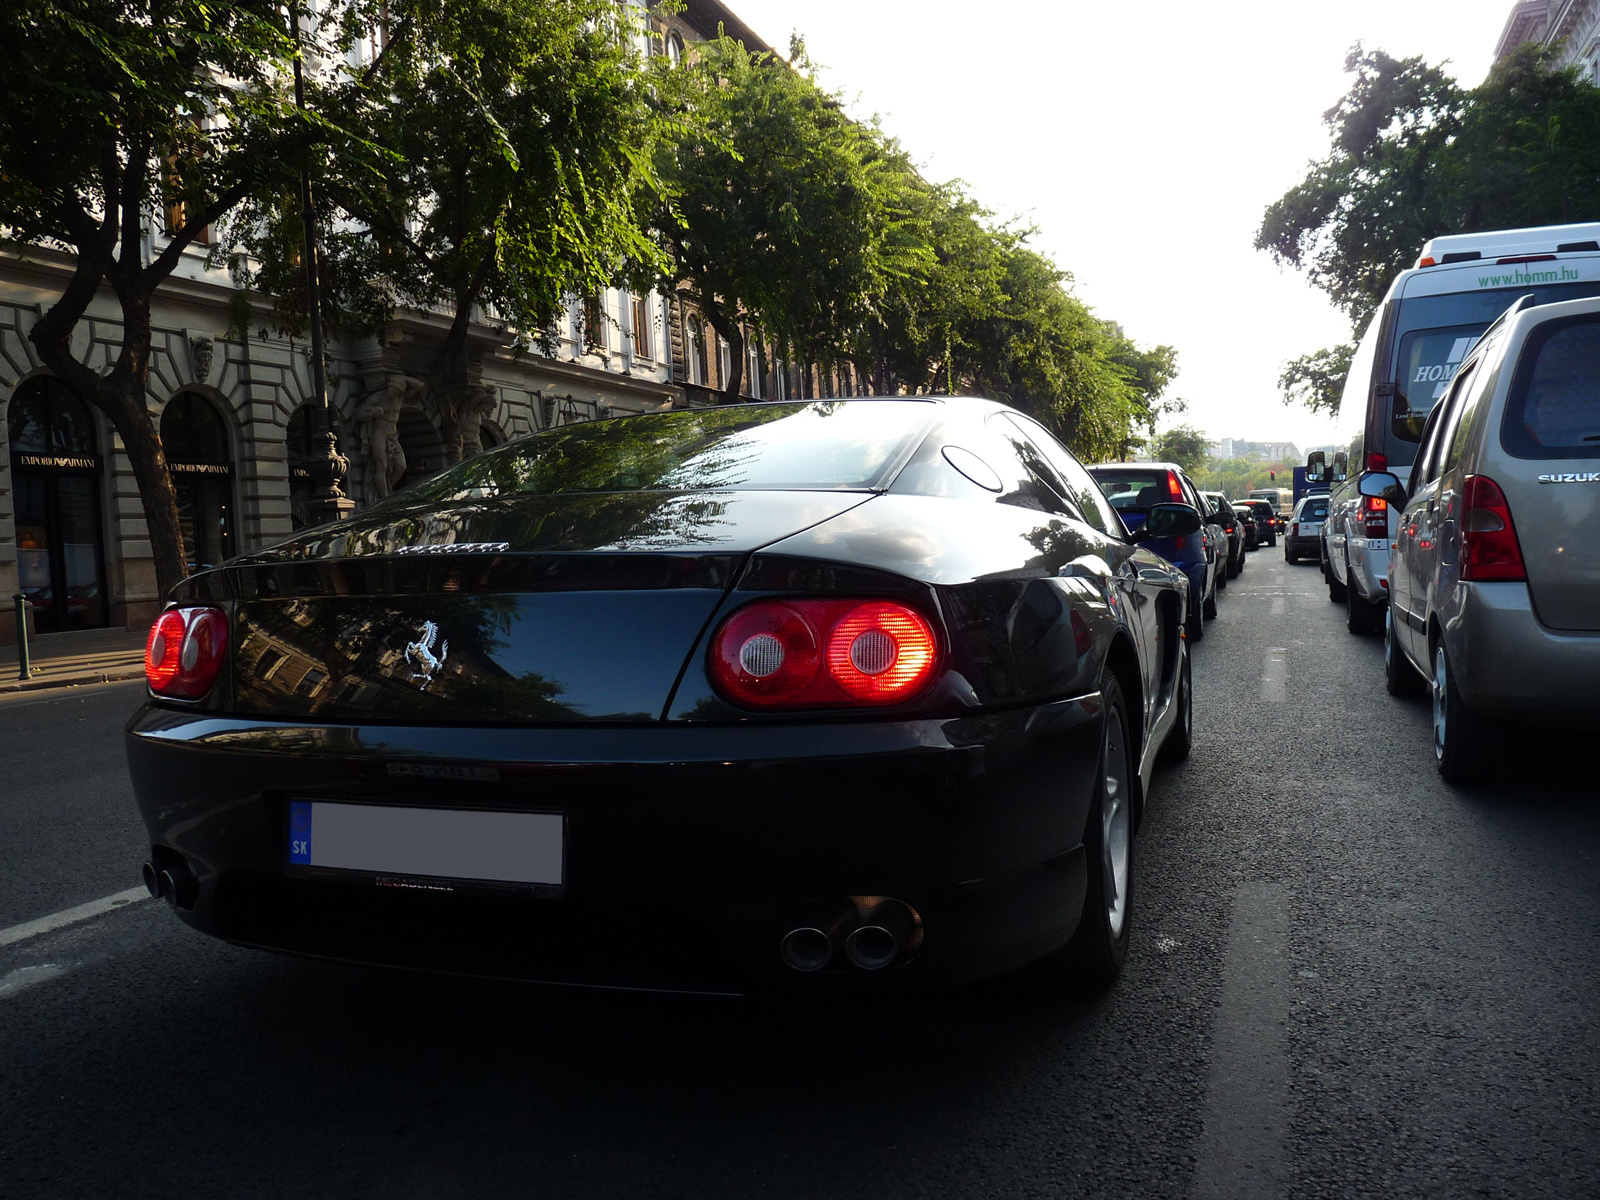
(71, 659)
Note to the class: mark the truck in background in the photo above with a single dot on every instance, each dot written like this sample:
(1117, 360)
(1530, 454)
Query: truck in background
(1308, 484)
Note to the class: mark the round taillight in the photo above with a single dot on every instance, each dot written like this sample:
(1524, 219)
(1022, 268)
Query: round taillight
(881, 651)
(185, 652)
(771, 654)
(764, 655)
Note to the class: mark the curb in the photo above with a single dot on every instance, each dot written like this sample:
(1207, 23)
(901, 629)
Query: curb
(78, 679)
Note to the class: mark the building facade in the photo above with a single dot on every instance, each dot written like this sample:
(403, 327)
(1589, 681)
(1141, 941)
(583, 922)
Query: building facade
(1572, 26)
(235, 416)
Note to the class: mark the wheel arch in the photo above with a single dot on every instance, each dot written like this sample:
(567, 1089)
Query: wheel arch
(1122, 660)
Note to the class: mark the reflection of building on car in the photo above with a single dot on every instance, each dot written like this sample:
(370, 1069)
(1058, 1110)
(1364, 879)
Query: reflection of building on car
(1133, 489)
(1495, 574)
(895, 681)
(1421, 333)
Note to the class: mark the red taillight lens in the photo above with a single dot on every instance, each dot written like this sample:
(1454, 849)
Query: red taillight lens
(1294, 529)
(1489, 547)
(822, 654)
(1174, 488)
(1375, 516)
(1376, 461)
(185, 652)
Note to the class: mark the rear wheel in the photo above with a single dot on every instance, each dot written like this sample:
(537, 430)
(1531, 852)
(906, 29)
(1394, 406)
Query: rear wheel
(1361, 615)
(1336, 590)
(1222, 576)
(1209, 608)
(1461, 738)
(1194, 624)
(1399, 676)
(1235, 562)
(1100, 946)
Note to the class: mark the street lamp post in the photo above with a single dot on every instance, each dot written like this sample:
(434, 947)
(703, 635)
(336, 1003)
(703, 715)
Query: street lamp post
(326, 466)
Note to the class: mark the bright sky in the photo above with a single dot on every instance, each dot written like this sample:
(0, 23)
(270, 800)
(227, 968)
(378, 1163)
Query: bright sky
(1144, 140)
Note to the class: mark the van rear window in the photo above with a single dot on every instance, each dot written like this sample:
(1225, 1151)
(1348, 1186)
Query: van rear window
(1554, 407)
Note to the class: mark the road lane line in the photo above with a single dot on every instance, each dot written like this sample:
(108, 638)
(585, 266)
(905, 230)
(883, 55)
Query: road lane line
(71, 916)
(1247, 1096)
(1275, 675)
(24, 978)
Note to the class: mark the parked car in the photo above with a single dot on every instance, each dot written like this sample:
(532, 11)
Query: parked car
(1134, 489)
(1232, 528)
(1252, 531)
(1304, 535)
(1495, 576)
(822, 697)
(1266, 521)
(1402, 367)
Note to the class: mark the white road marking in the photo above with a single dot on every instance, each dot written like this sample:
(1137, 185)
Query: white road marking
(1278, 605)
(1275, 675)
(71, 916)
(24, 978)
(1247, 1097)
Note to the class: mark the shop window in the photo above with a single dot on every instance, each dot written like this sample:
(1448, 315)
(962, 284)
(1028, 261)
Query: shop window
(195, 438)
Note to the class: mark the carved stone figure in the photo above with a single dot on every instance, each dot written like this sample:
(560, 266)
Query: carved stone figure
(200, 351)
(476, 405)
(378, 421)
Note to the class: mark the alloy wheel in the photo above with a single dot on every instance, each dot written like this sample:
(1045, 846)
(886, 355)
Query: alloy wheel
(1440, 688)
(1116, 826)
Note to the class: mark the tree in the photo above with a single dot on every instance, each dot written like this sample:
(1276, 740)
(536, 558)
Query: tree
(114, 110)
(782, 209)
(1414, 156)
(1317, 380)
(1184, 445)
(497, 154)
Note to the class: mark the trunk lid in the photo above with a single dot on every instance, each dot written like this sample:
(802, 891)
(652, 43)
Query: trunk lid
(1555, 508)
(549, 609)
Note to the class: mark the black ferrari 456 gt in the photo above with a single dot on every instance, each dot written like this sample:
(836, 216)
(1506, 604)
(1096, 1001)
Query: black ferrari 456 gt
(836, 695)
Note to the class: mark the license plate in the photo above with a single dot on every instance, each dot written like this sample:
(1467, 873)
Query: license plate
(516, 848)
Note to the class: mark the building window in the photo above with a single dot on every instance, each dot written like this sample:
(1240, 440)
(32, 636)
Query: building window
(674, 48)
(724, 362)
(753, 369)
(594, 325)
(641, 326)
(695, 351)
(195, 439)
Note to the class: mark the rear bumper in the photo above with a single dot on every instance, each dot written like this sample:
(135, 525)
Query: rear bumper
(1508, 665)
(690, 850)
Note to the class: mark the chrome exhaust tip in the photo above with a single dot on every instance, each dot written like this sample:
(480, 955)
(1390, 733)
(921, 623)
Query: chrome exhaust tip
(152, 881)
(883, 937)
(816, 938)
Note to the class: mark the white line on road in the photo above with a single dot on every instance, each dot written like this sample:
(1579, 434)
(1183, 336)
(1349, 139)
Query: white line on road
(24, 978)
(1275, 675)
(1247, 1098)
(71, 916)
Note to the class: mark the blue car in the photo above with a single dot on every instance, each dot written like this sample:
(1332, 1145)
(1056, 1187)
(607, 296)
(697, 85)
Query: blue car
(1132, 489)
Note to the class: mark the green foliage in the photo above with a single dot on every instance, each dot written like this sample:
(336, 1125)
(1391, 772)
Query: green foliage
(1317, 380)
(1235, 477)
(1184, 445)
(1415, 156)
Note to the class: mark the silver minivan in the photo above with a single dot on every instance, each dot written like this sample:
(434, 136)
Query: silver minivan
(1495, 575)
(1425, 327)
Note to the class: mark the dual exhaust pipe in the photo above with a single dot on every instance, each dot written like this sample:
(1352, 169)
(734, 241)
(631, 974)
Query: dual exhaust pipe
(871, 932)
(175, 883)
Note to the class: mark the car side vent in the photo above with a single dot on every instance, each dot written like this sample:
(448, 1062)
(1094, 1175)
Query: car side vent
(1461, 256)
(1576, 247)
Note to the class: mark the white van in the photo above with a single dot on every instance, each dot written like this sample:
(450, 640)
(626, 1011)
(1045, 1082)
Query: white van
(1428, 322)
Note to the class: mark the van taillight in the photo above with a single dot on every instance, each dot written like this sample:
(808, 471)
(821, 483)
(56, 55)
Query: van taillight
(1375, 516)
(1489, 547)
(1174, 488)
(184, 654)
(807, 653)
(1376, 461)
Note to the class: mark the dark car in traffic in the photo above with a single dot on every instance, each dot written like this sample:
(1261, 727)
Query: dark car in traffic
(846, 695)
(1134, 489)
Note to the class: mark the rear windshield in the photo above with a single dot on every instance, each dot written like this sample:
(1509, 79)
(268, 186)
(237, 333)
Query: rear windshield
(1436, 332)
(1135, 489)
(1554, 407)
(1314, 510)
(828, 445)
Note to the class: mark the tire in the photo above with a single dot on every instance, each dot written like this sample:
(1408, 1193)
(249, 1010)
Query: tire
(1180, 739)
(1235, 562)
(1194, 624)
(1100, 946)
(1463, 742)
(1361, 615)
(1222, 576)
(1399, 676)
(1336, 590)
(1209, 608)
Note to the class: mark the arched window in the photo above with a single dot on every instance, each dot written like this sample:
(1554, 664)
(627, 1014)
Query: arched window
(55, 477)
(674, 47)
(195, 438)
(695, 351)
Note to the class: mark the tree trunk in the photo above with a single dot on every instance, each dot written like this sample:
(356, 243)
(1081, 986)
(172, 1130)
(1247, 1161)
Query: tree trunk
(448, 384)
(121, 396)
(730, 332)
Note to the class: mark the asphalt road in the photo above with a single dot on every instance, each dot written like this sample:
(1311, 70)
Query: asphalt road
(1348, 979)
